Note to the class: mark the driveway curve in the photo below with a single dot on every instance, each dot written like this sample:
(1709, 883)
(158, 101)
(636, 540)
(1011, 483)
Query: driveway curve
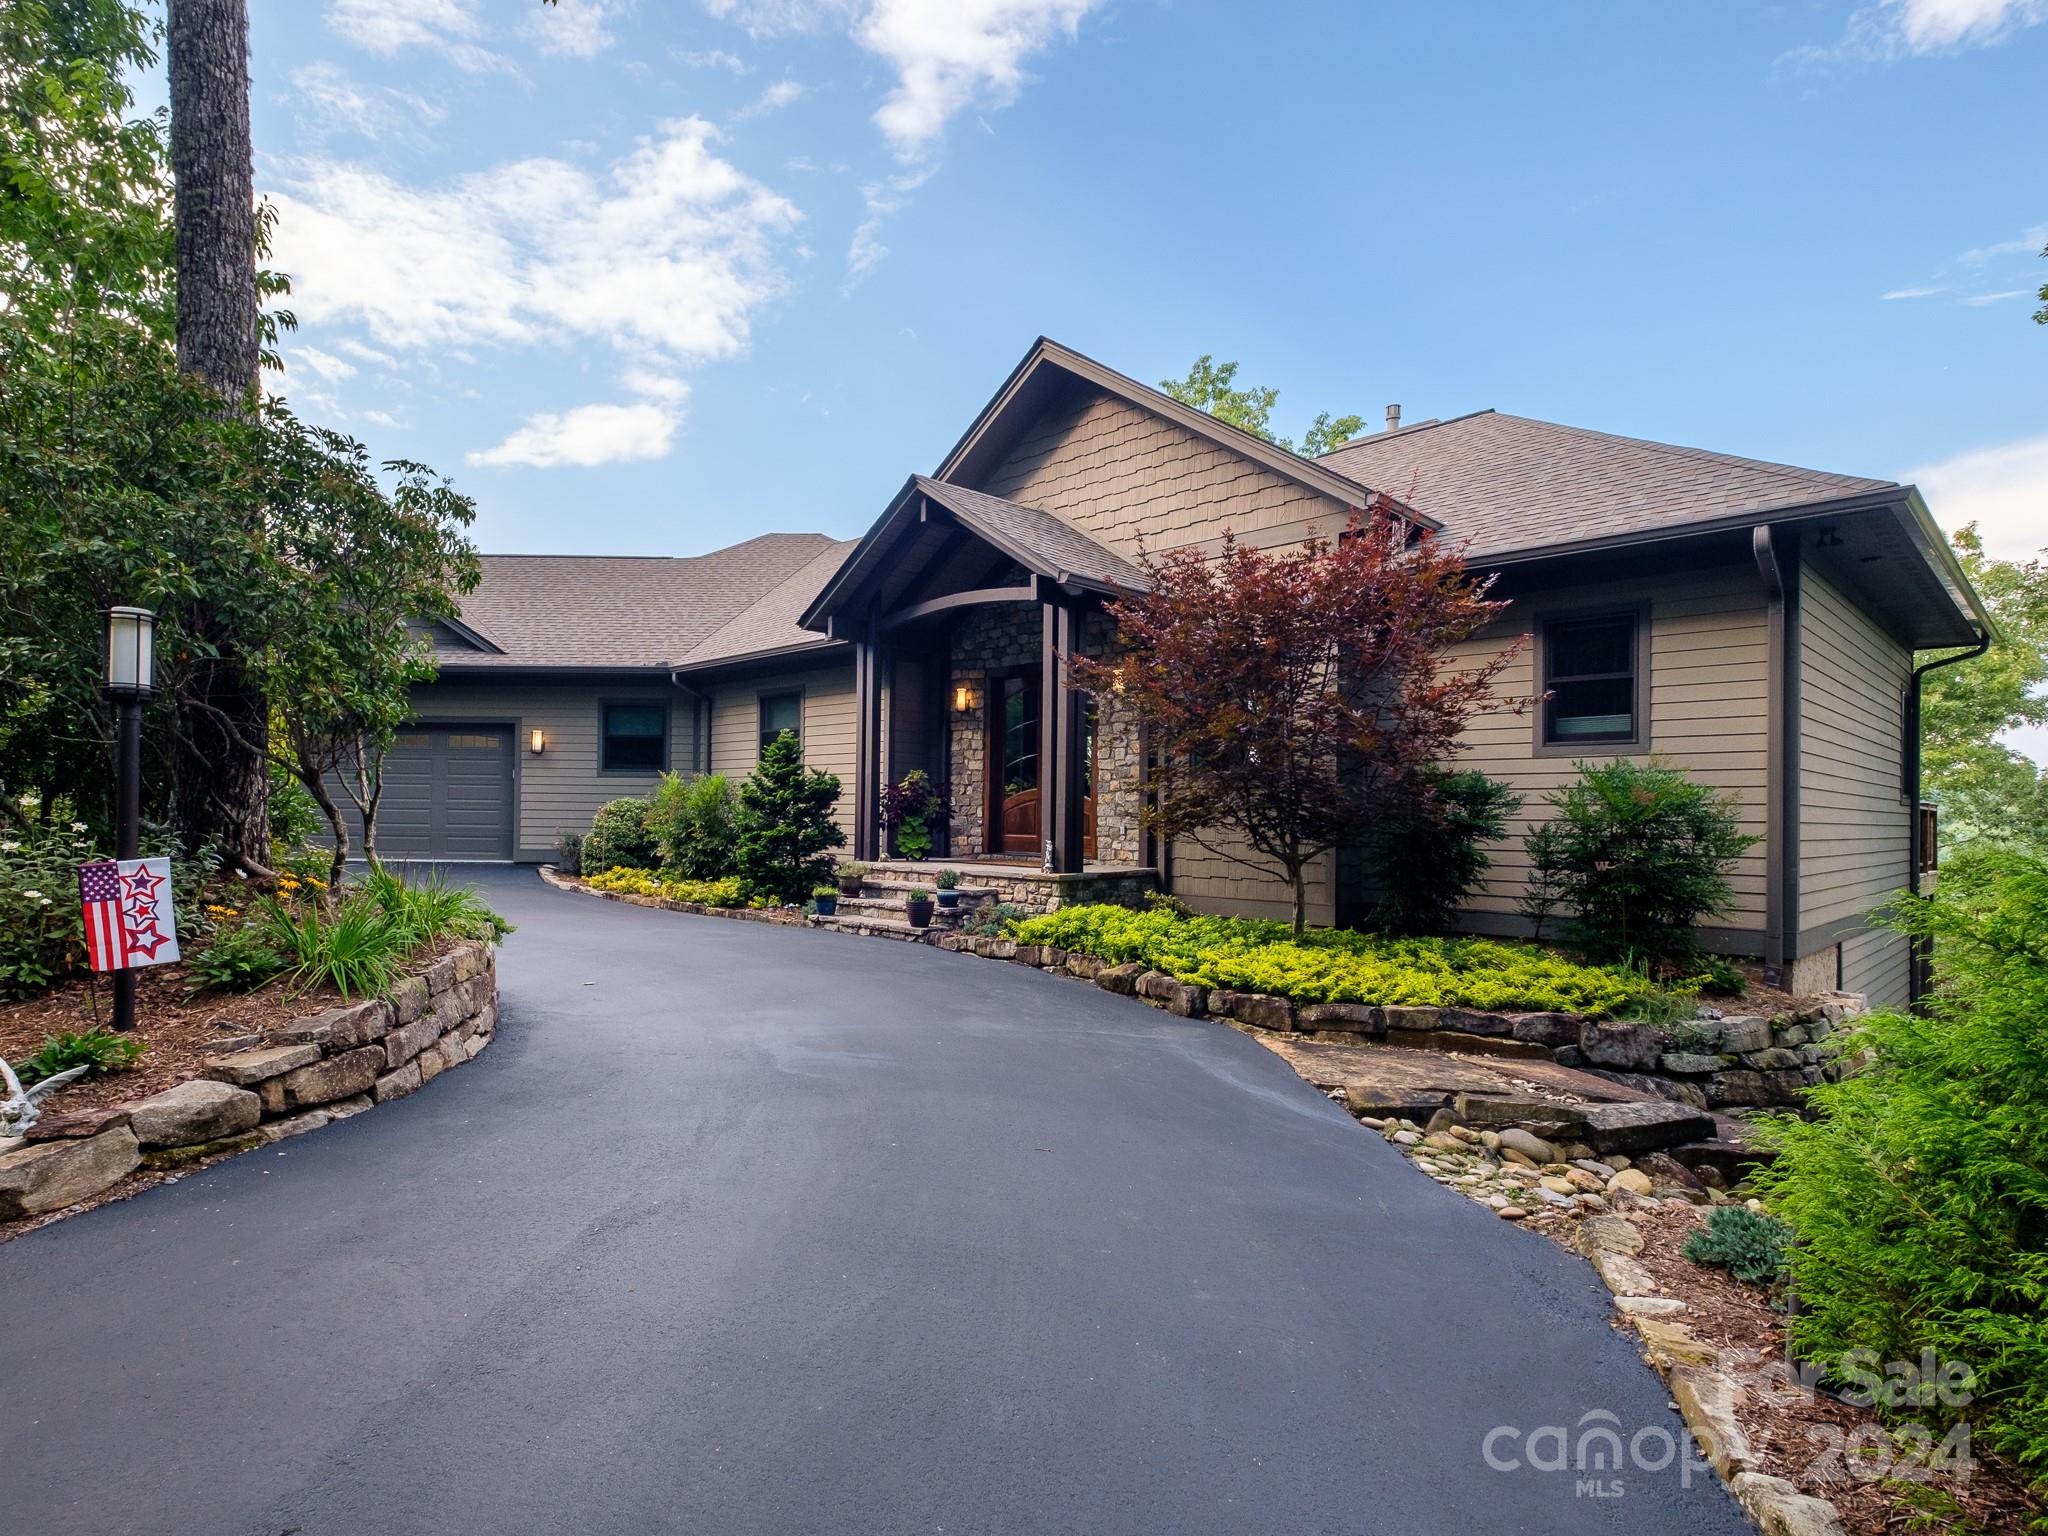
(741, 1229)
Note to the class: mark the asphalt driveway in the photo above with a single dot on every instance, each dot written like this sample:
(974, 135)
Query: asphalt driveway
(741, 1229)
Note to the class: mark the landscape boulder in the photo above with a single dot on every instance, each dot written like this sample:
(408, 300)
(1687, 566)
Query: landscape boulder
(1259, 1009)
(1643, 1126)
(201, 1110)
(1353, 1018)
(41, 1176)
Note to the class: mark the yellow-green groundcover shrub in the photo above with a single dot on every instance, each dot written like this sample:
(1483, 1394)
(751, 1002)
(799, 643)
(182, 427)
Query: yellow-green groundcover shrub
(1336, 965)
(728, 892)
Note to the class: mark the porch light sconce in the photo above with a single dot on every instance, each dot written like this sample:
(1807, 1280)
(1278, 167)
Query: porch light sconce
(537, 741)
(963, 698)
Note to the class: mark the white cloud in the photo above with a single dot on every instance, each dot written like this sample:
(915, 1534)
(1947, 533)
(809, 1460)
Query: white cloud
(574, 28)
(881, 199)
(325, 364)
(384, 419)
(387, 27)
(1979, 300)
(1908, 293)
(710, 58)
(656, 386)
(587, 435)
(2003, 490)
(2028, 244)
(361, 353)
(1894, 29)
(777, 18)
(667, 254)
(952, 54)
(777, 96)
(328, 101)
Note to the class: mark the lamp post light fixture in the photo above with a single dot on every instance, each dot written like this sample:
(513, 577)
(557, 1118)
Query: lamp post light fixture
(130, 678)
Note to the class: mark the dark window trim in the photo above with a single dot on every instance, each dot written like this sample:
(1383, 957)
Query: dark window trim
(668, 731)
(761, 697)
(1633, 745)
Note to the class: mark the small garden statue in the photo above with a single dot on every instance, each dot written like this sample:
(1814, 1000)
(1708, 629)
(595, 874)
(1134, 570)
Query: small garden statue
(18, 1112)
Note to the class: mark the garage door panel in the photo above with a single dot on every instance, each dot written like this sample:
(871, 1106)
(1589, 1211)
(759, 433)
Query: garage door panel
(447, 795)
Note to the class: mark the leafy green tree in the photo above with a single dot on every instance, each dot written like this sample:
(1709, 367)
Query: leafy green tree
(787, 833)
(1211, 386)
(1985, 788)
(1919, 1185)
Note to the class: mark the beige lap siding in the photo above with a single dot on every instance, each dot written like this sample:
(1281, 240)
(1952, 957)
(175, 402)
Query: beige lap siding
(1210, 882)
(1134, 481)
(828, 718)
(560, 790)
(1709, 686)
(1855, 837)
(1875, 963)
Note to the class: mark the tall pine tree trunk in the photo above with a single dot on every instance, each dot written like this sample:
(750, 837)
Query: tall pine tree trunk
(223, 782)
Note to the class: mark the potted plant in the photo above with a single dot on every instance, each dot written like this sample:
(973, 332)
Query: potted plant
(917, 906)
(948, 882)
(912, 810)
(852, 875)
(826, 900)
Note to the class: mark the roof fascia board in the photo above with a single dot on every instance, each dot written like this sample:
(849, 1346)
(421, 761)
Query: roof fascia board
(1046, 352)
(997, 541)
(470, 633)
(1926, 535)
(862, 556)
(822, 646)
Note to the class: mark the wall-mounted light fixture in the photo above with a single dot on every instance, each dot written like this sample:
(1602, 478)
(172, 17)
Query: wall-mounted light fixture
(537, 741)
(963, 697)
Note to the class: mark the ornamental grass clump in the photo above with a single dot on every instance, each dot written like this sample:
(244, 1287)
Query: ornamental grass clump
(1336, 965)
(1919, 1187)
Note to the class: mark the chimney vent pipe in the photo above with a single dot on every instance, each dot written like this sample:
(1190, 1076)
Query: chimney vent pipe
(1393, 418)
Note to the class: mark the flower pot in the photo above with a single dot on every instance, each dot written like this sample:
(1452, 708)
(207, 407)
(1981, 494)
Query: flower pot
(919, 913)
(948, 900)
(827, 905)
(849, 885)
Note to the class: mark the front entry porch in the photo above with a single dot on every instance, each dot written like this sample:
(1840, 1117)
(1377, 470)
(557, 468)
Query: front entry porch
(965, 613)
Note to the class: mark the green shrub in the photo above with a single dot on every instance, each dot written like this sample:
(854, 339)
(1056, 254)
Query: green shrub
(569, 852)
(728, 892)
(619, 837)
(786, 829)
(695, 826)
(42, 937)
(236, 959)
(98, 1050)
(1424, 853)
(1750, 1245)
(1636, 855)
(356, 950)
(1334, 965)
(1920, 1188)
(992, 920)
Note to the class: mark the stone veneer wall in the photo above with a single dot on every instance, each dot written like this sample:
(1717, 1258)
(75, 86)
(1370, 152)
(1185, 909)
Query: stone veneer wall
(299, 1077)
(1001, 638)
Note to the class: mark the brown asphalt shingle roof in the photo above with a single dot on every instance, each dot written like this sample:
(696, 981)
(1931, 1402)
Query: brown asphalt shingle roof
(770, 625)
(1509, 484)
(602, 611)
(1037, 538)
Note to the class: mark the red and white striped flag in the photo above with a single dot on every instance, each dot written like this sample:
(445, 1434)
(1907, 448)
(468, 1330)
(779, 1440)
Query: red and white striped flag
(128, 917)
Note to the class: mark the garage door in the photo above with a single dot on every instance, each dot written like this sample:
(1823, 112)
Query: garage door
(447, 794)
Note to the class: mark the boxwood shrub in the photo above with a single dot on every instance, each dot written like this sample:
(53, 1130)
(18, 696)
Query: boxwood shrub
(1335, 965)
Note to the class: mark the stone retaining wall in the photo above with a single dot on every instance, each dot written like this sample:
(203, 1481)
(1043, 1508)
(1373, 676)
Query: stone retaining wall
(1709, 1062)
(298, 1077)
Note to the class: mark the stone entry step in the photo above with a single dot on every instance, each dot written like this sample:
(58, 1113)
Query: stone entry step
(879, 927)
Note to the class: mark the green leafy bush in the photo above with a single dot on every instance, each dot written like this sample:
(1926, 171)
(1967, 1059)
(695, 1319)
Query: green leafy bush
(238, 958)
(992, 920)
(1919, 1188)
(787, 833)
(1424, 853)
(42, 937)
(619, 836)
(569, 852)
(695, 826)
(1636, 855)
(1750, 1245)
(731, 891)
(1334, 965)
(98, 1050)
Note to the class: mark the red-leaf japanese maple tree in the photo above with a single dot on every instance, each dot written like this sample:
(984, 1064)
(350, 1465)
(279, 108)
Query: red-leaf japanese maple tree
(1289, 693)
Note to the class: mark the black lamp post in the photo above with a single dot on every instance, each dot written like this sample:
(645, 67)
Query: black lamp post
(131, 674)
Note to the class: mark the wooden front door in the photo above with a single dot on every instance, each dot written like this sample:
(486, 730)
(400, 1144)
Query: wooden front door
(1016, 823)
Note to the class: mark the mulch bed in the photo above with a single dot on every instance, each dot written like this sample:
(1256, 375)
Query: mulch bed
(181, 1030)
(1808, 1438)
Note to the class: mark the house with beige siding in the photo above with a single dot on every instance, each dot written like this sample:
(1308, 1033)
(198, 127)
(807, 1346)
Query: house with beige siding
(1760, 626)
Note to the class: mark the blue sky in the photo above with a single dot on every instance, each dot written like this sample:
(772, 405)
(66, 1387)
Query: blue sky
(651, 276)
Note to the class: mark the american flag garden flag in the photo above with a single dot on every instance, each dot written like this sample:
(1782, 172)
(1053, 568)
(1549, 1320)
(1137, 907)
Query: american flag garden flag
(128, 916)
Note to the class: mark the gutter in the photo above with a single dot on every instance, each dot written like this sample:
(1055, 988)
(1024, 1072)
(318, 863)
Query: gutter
(1781, 772)
(700, 722)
